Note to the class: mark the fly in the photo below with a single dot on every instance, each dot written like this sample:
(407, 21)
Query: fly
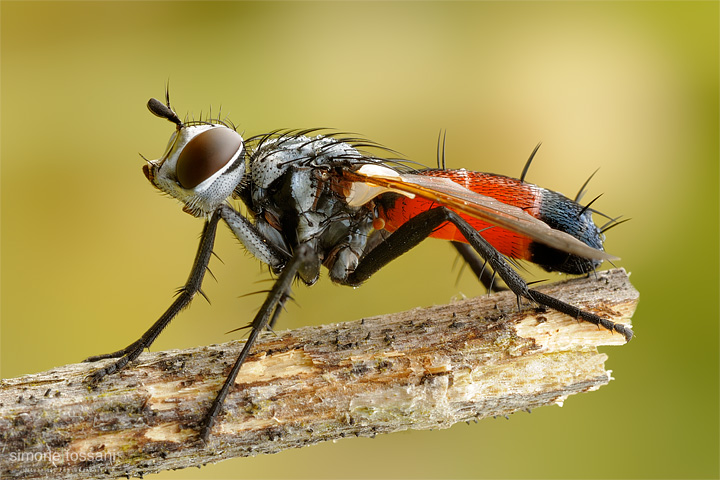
(318, 200)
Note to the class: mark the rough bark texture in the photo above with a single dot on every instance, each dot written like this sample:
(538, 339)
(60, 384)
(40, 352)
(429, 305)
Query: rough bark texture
(421, 369)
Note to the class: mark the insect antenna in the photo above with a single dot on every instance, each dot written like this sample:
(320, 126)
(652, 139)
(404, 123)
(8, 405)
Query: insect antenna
(529, 161)
(161, 110)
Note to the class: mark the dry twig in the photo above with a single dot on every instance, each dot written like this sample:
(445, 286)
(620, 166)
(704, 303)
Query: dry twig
(421, 369)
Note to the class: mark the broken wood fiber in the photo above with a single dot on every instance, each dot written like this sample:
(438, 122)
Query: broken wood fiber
(426, 368)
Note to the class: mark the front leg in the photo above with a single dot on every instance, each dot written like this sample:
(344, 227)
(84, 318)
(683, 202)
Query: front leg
(253, 240)
(185, 295)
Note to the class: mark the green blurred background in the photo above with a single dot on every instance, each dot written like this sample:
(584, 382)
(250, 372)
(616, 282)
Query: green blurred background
(91, 254)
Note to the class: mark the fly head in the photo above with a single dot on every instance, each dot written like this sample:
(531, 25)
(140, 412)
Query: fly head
(203, 162)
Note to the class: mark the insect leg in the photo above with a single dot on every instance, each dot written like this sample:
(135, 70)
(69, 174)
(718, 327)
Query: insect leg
(480, 268)
(515, 282)
(421, 226)
(254, 241)
(269, 310)
(185, 295)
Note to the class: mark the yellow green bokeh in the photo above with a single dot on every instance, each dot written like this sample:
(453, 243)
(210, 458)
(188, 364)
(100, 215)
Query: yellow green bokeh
(91, 254)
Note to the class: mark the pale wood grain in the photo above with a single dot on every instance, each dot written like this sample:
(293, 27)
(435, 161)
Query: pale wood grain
(421, 369)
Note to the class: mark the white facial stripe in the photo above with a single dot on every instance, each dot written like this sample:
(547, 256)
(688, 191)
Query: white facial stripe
(211, 192)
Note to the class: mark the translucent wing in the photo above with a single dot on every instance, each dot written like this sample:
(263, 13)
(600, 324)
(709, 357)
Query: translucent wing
(372, 180)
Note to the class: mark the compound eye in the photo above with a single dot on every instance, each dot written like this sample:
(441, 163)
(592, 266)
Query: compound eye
(206, 154)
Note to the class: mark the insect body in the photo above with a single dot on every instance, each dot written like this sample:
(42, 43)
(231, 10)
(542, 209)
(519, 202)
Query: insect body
(319, 201)
(552, 208)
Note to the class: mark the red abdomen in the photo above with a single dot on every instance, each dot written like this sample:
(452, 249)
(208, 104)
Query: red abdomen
(505, 189)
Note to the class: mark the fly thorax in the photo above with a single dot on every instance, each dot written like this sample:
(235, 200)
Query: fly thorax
(292, 187)
(289, 183)
(202, 165)
(274, 156)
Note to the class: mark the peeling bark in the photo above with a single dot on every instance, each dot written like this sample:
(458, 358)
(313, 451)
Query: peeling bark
(421, 369)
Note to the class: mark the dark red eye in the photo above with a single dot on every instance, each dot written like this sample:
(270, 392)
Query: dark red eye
(205, 154)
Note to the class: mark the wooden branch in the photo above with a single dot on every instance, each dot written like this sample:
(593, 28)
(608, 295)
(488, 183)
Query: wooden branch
(421, 369)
